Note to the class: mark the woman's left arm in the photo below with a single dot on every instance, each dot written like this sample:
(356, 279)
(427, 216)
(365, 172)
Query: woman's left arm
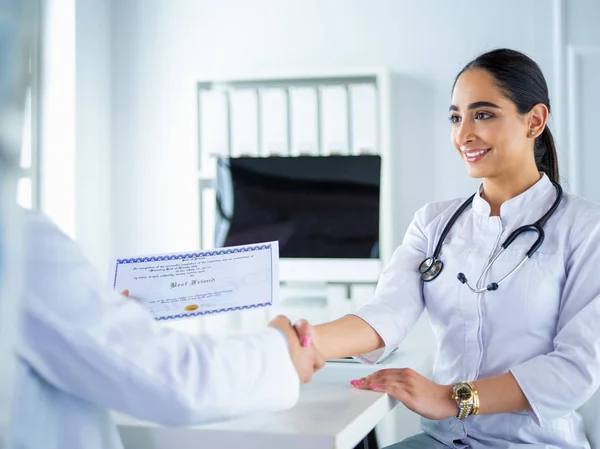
(561, 381)
(498, 394)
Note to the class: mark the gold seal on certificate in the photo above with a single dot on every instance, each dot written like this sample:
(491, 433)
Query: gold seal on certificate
(182, 285)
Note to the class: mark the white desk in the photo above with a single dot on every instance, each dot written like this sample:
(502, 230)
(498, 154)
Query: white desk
(330, 414)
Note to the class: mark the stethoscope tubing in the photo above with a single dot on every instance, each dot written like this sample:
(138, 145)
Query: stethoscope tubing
(432, 266)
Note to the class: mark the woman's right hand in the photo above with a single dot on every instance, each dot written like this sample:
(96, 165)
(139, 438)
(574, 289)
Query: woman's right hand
(306, 333)
(305, 356)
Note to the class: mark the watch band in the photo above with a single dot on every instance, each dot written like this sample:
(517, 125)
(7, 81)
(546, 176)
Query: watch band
(464, 410)
(475, 399)
(468, 405)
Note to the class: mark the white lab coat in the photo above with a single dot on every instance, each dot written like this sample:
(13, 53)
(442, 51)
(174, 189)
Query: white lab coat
(541, 324)
(86, 350)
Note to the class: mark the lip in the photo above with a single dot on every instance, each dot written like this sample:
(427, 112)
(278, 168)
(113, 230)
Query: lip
(474, 154)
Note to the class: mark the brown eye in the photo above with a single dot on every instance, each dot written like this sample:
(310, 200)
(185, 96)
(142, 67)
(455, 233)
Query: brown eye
(482, 115)
(454, 119)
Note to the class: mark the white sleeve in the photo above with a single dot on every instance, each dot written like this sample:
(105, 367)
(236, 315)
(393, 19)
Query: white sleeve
(398, 302)
(561, 381)
(95, 344)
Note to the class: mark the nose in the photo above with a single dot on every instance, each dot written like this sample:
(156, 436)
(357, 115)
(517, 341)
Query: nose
(464, 133)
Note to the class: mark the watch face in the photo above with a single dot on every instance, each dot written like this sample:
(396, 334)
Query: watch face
(463, 394)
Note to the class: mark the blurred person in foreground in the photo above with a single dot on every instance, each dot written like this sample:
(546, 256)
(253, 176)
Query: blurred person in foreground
(84, 350)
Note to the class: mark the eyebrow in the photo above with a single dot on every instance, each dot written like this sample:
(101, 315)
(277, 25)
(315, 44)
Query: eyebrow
(478, 104)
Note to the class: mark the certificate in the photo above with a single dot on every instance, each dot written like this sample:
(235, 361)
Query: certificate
(184, 285)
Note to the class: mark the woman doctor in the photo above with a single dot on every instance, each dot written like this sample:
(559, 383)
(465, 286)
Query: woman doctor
(517, 355)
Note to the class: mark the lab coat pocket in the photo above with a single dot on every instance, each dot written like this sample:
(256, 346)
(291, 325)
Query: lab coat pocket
(544, 291)
(532, 293)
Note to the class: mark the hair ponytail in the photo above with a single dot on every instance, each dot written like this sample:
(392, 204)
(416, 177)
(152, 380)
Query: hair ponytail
(545, 155)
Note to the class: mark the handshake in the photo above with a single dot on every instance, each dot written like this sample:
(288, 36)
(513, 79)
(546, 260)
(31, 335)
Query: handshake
(302, 344)
(301, 339)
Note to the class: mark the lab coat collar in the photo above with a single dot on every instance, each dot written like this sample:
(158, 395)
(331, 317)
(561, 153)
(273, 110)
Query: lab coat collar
(532, 196)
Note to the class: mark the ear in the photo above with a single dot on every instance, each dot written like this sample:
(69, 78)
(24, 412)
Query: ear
(538, 116)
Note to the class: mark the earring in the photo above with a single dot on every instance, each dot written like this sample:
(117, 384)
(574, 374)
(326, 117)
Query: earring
(532, 133)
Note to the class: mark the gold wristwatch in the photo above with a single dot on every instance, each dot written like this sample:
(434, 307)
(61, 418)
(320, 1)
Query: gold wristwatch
(467, 399)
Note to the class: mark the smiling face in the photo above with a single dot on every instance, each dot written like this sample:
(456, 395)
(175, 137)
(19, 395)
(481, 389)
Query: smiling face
(488, 132)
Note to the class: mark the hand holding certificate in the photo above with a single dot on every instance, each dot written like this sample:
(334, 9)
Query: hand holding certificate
(183, 285)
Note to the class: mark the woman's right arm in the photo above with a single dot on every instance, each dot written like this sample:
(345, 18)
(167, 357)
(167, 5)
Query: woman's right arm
(380, 326)
(346, 336)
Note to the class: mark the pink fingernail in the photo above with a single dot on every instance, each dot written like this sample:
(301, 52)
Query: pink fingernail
(355, 383)
(374, 386)
(305, 341)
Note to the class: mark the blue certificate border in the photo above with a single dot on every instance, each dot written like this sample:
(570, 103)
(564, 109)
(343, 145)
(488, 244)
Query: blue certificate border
(216, 252)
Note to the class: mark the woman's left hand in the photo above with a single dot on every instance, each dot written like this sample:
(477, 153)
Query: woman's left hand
(416, 392)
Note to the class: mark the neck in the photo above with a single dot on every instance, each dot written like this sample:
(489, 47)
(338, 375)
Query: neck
(499, 189)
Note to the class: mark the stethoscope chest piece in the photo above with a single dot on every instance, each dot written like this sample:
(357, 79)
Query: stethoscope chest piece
(430, 268)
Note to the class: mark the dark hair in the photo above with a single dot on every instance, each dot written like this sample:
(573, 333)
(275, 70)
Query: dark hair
(522, 81)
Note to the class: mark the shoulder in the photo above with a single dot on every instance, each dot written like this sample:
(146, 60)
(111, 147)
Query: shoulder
(35, 223)
(582, 217)
(42, 238)
(441, 211)
(581, 210)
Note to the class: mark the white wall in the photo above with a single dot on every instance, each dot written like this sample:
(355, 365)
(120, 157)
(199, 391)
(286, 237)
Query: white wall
(75, 122)
(57, 113)
(582, 66)
(93, 136)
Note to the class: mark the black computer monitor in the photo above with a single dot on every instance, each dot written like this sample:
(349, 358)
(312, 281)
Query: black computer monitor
(317, 207)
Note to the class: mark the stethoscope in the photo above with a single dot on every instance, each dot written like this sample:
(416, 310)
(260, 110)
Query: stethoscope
(431, 267)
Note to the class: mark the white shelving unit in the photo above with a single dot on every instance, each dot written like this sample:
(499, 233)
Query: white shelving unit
(318, 114)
